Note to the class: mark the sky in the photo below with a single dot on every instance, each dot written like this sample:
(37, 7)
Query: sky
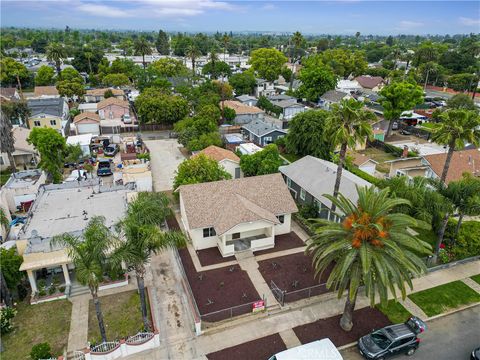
(343, 17)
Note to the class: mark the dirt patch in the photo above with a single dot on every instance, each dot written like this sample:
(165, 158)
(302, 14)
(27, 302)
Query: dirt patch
(292, 273)
(259, 349)
(212, 256)
(172, 223)
(219, 289)
(364, 321)
(283, 242)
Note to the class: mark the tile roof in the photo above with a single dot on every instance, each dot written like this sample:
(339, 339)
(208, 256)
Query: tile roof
(219, 154)
(112, 101)
(242, 108)
(86, 115)
(261, 128)
(225, 204)
(45, 90)
(369, 82)
(462, 161)
(101, 92)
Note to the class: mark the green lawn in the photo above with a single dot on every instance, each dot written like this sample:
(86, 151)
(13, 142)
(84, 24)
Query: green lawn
(34, 324)
(121, 314)
(290, 157)
(427, 235)
(380, 157)
(442, 298)
(395, 312)
(430, 125)
(4, 176)
(476, 278)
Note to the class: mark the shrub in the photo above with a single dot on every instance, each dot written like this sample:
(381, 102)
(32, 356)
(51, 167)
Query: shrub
(62, 289)
(308, 211)
(42, 292)
(144, 156)
(41, 351)
(6, 315)
(467, 243)
(52, 289)
(367, 177)
(42, 283)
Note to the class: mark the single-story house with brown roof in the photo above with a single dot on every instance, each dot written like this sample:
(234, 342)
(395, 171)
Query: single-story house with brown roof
(363, 162)
(97, 95)
(463, 161)
(24, 155)
(10, 93)
(112, 108)
(244, 113)
(87, 123)
(226, 158)
(45, 91)
(374, 83)
(236, 215)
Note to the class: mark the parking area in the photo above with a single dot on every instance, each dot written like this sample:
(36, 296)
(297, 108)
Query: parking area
(165, 156)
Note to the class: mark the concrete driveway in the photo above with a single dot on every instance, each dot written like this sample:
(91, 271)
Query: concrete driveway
(165, 156)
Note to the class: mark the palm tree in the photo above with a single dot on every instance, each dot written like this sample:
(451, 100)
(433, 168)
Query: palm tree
(370, 248)
(297, 40)
(89, 55)
(5, 294)
(89, 255)
(7, 141)
(142, 47)
(348, 125)
(457, 127)
(225, 40)
(142, 237)
(193, 53)
(56, 52)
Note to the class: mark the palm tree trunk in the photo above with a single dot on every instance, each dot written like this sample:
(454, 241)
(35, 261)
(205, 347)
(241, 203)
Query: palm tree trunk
(459, 224)
(341, 161)
(99, 313)
(143, 302)
(441, 235)
(346, 321)
(426, 79)
(451, 148)
(143, 61)
(57, 63)
(11, 160)
(389, 130)
(5, 291)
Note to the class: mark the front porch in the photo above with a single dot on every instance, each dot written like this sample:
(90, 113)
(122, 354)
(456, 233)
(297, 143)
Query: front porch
(50, 283)
(258, 239)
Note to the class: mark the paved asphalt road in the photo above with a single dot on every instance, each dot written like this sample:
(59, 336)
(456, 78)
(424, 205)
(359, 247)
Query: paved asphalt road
(452, 337)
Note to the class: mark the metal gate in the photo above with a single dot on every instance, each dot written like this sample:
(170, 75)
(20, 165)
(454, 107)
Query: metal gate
(277, 292)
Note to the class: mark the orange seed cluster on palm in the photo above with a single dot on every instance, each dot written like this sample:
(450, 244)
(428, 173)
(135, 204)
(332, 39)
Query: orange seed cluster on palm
(366, 229)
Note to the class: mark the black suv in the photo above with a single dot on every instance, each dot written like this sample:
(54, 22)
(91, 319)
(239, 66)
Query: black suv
(392, 340)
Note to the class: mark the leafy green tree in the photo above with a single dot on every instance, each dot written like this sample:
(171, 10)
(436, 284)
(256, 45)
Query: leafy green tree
(56, 52)
(162, 44)
(216, 69)
(89, 254)
(70, 74)
(205, 140)
(41, 351)
(461, 101)
(267, 63)
(87, 59)
(12, 73)
(51, 147)
(199, 169)
(242, 83)
(456, 128)
(73, 153)
(44, 76)
(298, 41)
(108, 94)
(307, 134)
(116, 80)
(70, 89)
(126, 45)
(142, 47)
(316, 81)
(141, 230)
(398, 97)
(266, 161)
(168, 67)
(229, 114)
(343, 62)
(155, 107)
(10, 263)
(7, 140)
(462, 82)
(371, 247)
(193, 53)
(349, 125)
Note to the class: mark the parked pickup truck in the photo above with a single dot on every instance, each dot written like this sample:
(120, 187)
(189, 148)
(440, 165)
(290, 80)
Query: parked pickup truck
(104, 167)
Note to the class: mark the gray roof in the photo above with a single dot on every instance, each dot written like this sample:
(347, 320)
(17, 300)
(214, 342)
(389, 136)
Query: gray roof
(245, 98)
(261, 128)
(281, 97)
(286, 104)
(318, 177)
(50, 106)
(333, 96)
(23, 179)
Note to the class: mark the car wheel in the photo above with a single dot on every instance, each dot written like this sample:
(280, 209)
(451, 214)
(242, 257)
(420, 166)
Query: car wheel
(411, 351)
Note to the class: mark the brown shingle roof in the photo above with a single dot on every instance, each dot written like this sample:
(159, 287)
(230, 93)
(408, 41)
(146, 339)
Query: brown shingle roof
(112, 101)
(225, 204)
(21, 134)
(369, 82)
(45, 90)
(86, 115)
(8, 92)
(218, 154)
(101, 92)
(462, 161)
(359, 159)
(242, 108)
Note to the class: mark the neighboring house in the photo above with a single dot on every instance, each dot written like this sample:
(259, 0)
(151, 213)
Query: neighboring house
(282, 97)
(289, 109)
(464, 161)
(407, 166)
(45, 92)
(309, 178)
(9, 93)
(262, 133)
(49, 112)
(379, 134)
(374, 83)
(97, 95)
(264, 88)
(138, 173)
(22, 187)
(248, 148)
(226, 158)
(84, 141)
(247, 100)
(363, 162)
(232, 141)
(244, 113)
(331, 97)
(87, 107)
(25, 156)
(348, 86)
(87, 123)
(112, 108)
(236, 215)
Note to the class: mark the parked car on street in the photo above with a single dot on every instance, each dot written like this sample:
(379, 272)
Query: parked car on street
(392, 340)
(405, 132)
(104, 167)
(111, 150)
(475, 354)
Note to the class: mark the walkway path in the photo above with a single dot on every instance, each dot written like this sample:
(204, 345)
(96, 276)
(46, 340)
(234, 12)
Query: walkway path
(78, 335)
(473, 284)
(413, 308)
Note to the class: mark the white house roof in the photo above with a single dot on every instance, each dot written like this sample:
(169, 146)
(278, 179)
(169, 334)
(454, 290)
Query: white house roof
(84, 139)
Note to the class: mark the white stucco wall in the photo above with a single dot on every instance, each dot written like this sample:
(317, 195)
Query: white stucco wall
(369, 168)
(284, 228)
(230, 167)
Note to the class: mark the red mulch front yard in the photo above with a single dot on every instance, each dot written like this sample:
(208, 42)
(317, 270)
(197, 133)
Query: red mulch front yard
(364, 321)
(283, 242)
(293, 273)
(219, 289)
(260, 349)
(212, 256)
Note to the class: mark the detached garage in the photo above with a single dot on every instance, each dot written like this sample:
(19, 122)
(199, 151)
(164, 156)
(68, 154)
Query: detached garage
(87, 123)
(83, 140)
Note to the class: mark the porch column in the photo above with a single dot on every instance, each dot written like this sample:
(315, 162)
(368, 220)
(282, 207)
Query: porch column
(66, 275)
(31, 279)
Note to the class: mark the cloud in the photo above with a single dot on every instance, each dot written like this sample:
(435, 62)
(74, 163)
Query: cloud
(103, 10)
(469, 21)
(409, 25)
(269, 6)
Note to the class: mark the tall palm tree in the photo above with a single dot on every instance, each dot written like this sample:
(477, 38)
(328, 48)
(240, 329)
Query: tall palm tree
(89, 55)
(7, 141)
(142, 47)
(56, 52)
(370, 248)
(142, 237)
(297, 41)
(225, 41)
(349, 125)
(193, 53)
(89, 255)
(457, 127)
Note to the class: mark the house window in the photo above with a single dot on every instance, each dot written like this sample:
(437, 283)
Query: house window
(302, 194)
(267, 140)
(209, 232)
(281, 218)
(36, 123)
(289, 182)
(53, 122)
(236, 236)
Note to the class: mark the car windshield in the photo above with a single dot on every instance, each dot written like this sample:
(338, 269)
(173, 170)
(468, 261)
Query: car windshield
(381, 340)
(103, 164)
